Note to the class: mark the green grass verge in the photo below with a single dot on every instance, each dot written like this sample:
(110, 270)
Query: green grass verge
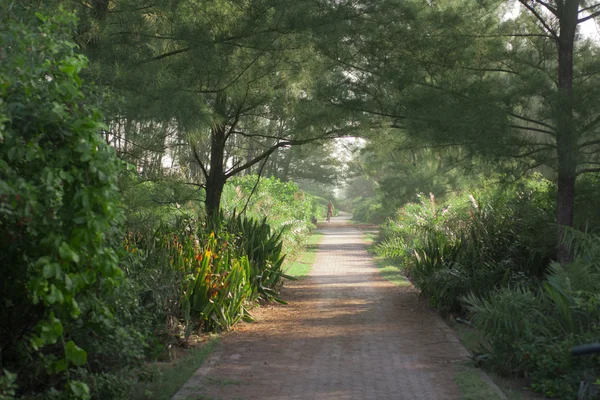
(302, 264)
(169, 377)
(391, 272)
(468, 336)
(473, 386)
(388, 269)
(371, 239)
(514, 389)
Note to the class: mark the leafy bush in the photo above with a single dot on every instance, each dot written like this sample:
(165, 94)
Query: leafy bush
(8, 387)
(217, 285)
(369, 210)
(59, 214)
(149, 204)
(489, 252)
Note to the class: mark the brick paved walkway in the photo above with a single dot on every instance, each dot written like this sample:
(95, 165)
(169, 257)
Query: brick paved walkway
(346, 334)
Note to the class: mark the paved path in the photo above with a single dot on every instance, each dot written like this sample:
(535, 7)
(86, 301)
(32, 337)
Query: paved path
(346, 334)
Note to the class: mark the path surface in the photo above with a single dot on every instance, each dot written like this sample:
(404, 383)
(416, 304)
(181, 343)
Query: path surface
(346, 334)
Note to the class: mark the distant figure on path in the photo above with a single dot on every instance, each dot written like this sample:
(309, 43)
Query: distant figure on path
(329, 210)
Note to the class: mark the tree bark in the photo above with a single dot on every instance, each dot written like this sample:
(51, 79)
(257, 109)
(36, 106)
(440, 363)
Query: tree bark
(566, 136)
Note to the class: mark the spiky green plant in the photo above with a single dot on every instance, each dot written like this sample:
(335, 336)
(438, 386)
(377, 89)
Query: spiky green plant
(264, 251)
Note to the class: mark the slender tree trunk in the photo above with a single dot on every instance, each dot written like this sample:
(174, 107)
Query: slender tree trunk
(566, 137)
(249, 156)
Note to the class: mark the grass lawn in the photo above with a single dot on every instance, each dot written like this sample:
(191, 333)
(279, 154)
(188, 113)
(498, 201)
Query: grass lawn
(303, 262)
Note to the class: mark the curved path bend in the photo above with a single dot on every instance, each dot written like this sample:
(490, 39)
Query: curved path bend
(346, 334)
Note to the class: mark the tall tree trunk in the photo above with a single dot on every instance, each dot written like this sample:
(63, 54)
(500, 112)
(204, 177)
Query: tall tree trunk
(285, 170)
(566, 137)
(217, 178)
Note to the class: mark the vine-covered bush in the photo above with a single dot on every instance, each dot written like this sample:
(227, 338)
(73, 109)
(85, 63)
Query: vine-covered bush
(59, 207)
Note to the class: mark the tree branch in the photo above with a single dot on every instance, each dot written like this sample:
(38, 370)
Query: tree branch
(165, 55)
(532, 152)
(548, 7)
(587, 171)
(199, 160)
(531, 120)
(237, 115)
(539, 18)
(592, 15)
(508, 71)
(498, 35)
(589, 143)
(588, 8)
(531, 129)
(268, 152)
(200, 185)
(589, 126)
(255, 185)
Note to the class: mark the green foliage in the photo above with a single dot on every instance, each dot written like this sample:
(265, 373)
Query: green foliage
(210, 278)
(195, 278)
(8, 387)
(149, 203)
(217, 284)
(286, 207)
(532, 330)
(369, 210)
(162, 382)
(264, 251)
(301, 265)
(473, 242)
(489, 253)
(473, 386)
(59, 213)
